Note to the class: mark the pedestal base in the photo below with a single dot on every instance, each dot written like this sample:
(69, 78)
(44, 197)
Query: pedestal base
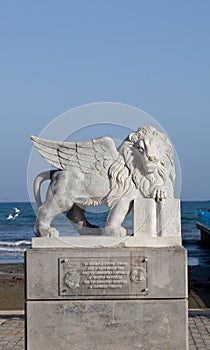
(106, 299)
(107, 325)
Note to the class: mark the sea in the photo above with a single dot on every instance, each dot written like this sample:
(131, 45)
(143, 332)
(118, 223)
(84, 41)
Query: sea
(17, 221)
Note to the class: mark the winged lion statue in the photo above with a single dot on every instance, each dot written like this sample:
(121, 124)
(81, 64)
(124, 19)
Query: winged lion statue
(95, 172)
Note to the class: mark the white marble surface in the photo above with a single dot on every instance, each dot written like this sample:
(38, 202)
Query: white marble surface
(156, 219)
(144, 217)
(96, 173)
(104, 241)
(169, 218)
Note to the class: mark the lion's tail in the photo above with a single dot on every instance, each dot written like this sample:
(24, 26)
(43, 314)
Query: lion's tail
(45, 175)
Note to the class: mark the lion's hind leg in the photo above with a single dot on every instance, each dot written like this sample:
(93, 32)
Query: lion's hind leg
(57, 202)
(46, 213)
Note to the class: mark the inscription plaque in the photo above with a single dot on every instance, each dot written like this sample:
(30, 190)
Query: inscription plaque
(103, 276)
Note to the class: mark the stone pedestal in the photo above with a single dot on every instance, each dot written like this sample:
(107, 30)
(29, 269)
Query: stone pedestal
(111, 296)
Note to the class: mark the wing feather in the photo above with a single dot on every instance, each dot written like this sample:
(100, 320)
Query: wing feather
(97, 154)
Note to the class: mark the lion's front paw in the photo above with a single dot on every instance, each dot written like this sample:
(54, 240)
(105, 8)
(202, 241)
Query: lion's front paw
(53, 232)
(47, 231)
(116, 231)
(159, 194)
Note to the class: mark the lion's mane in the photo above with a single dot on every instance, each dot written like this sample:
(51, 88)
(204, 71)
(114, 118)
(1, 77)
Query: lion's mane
(126, 175)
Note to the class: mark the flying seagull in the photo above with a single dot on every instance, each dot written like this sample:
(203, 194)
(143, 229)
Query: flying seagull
(17, 211)
(10, 217)
(13, 215)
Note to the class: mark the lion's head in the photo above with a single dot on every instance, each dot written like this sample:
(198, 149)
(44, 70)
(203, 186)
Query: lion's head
(154, 150)
(145, 162)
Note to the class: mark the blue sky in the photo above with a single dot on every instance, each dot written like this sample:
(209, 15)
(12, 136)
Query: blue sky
(56, 55)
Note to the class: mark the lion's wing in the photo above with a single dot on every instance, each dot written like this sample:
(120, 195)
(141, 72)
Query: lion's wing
(97, 154)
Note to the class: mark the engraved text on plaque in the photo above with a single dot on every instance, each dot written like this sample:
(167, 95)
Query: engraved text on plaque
(104, 276)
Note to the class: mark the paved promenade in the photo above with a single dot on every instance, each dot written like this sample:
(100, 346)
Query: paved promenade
(12, 330)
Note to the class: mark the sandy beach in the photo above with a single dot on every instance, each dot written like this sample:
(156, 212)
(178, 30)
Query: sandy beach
(12, 287)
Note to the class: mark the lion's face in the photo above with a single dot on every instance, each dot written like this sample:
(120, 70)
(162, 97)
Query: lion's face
(149, 154)
(153, 148)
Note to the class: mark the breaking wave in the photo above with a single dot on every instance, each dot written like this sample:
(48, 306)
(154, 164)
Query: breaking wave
(16, 244)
